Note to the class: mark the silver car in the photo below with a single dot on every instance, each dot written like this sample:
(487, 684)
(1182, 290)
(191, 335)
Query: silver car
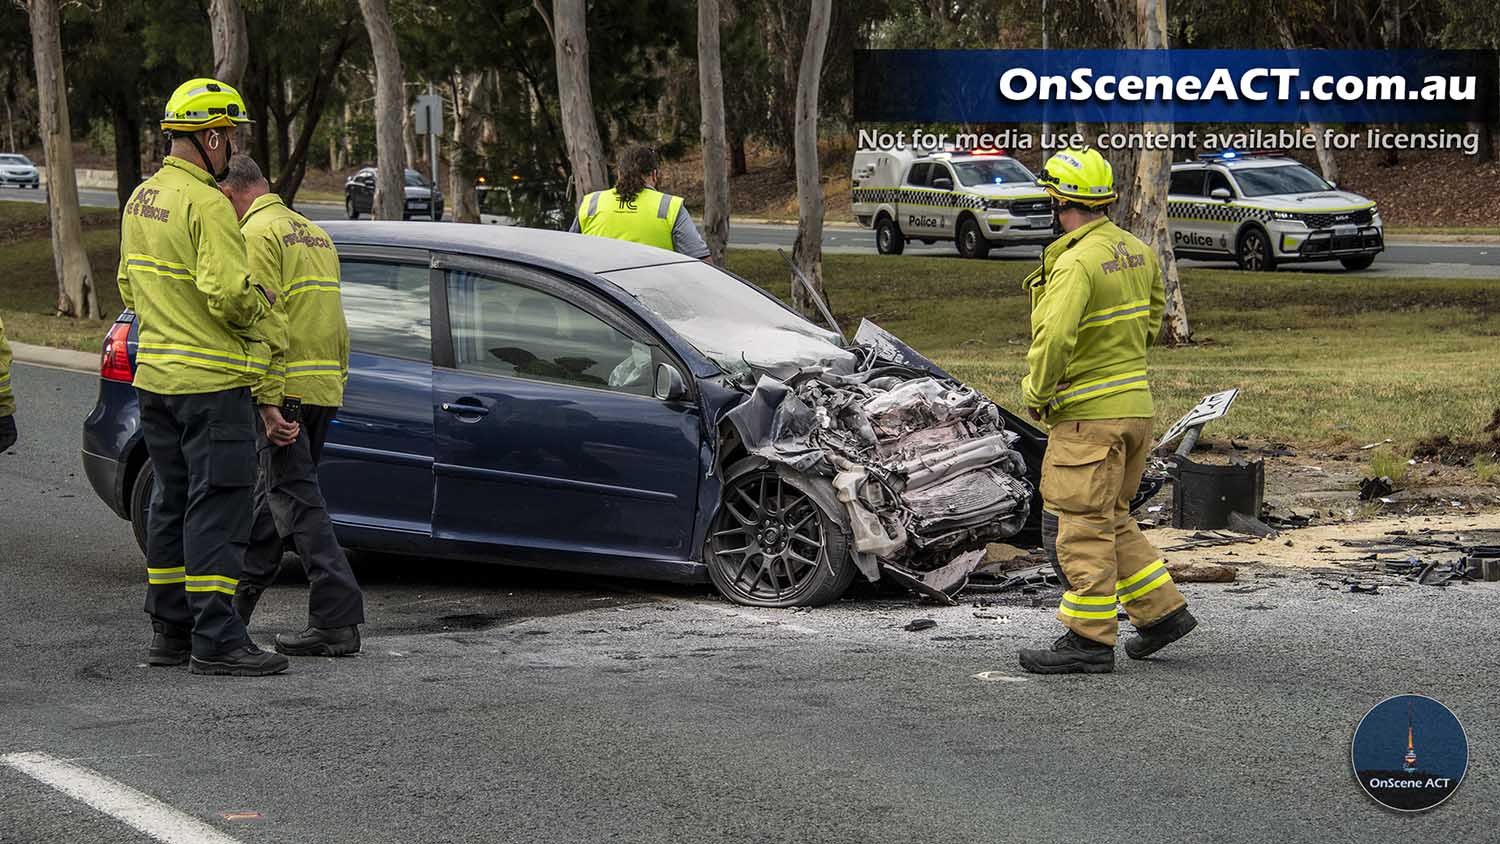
(17, 169)
(1264, 210)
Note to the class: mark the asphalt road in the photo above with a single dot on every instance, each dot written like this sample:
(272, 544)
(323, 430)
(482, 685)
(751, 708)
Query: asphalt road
(1401, 258)
(494, 705)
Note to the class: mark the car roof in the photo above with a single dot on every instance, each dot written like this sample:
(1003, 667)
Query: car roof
(564, 250)
(1240, 163)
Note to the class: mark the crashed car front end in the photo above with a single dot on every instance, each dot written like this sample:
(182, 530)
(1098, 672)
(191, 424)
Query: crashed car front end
(922, 465)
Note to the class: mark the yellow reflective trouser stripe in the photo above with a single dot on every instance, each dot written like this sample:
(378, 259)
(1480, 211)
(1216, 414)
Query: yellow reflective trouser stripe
(204, 357)
(1143, 581)
(211, 583)
(308, 284)
(1139, 309)
(170, 269)
(1087, 606)
(1102, 387)
(161, 577)
(306, 368)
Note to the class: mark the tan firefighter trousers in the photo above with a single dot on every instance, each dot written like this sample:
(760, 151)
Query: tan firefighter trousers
(1089, 475)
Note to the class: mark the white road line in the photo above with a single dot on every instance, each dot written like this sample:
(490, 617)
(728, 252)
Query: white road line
(121, 802)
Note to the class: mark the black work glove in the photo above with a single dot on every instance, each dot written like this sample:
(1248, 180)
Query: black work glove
(7, 432)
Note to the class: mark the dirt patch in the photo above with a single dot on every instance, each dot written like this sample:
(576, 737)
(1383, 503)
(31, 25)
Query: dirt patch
(1461, 452)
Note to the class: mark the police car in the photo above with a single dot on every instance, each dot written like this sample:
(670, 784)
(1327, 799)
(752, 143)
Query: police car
(1263, 209)
(978, 199)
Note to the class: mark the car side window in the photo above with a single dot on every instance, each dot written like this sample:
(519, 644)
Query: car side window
(1187, 183)
(388, 308)
(505, 328)
(919, 175)
(940, 171)
(1218, 180)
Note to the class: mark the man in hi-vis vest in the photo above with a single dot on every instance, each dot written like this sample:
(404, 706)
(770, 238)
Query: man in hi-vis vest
(636, 211)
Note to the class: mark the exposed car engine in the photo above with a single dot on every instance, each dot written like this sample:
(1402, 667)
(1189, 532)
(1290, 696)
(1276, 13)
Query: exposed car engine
(921, 463)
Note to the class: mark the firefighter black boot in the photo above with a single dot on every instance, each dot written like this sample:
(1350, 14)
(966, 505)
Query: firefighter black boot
(1070, 654)
(169, 645)
(320, 641)
(1154, 637)
(245, 661)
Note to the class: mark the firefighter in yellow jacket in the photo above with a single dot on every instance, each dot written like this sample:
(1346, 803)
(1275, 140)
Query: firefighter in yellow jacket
(7, 398)
(1096, 306)
(636, 211)
(204, 346)
(290, 253)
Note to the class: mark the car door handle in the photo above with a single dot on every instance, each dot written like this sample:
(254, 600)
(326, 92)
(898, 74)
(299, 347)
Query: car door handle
(463, 408)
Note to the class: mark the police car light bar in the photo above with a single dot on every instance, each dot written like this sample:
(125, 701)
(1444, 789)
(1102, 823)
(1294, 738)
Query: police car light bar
(1233, 155)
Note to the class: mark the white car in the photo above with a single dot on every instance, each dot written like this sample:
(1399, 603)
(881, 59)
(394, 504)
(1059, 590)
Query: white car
(979, 200)
(17, 169)
(1263, 210)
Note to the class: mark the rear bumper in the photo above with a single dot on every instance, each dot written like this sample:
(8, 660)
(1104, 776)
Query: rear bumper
(107, 476)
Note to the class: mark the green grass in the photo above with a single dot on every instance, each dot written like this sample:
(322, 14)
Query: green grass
(335, 197)
(1326, 360)
(28, 283)
(1387, 464)
(1320, 360)
(1486, 469)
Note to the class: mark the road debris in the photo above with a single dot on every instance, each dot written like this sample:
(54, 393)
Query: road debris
(1373, 488)
(1189, 571)
(919, 624)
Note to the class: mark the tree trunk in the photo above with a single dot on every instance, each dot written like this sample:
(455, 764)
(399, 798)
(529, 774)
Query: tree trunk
(127, 150)
(1147, 214)
(1326, 161)
(472, 90)
(807, 253)
(739, 162)
(231, 41)
(75, 279)
(294, 168)
(715, 154)
(576, 101)
(390, 104)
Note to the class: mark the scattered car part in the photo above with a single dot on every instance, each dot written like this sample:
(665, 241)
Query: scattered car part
(1203, 496)
(1211, 407)
(918, 624)
(1373, 488)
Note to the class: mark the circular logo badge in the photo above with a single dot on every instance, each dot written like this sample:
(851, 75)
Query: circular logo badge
(1410, 753)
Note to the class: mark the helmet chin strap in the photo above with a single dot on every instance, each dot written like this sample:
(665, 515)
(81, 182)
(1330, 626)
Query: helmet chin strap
(223, 173)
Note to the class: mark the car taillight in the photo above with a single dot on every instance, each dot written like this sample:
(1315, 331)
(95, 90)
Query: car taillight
(115, 364)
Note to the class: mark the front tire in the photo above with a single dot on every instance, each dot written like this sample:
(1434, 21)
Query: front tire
(1254, 253)
(888, 237)
(350, 210)
(1358, 262)
(773, 542)
(140, 502)
(971, 241)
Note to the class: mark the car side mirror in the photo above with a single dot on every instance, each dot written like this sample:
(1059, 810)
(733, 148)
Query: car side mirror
(943, 184)
(669, 383)
(1221, 194)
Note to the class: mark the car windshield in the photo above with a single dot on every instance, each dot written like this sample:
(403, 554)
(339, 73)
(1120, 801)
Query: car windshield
(1266, 181)
(998, 171)
(415, 180)
(730, 321)
(14, 159)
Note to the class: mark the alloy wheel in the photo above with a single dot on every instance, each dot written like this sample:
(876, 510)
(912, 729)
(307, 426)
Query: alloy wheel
(768, 539)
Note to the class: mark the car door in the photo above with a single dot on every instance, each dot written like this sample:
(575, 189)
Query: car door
(1186, 210)
(1222, 217)
(376, 471)
(548, 437)
(364, 193)
(913, 211)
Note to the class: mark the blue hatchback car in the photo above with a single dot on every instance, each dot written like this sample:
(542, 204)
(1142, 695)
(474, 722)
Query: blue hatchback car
(547, 399)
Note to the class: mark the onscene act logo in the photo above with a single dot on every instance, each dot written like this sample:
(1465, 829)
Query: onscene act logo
(1410, 753)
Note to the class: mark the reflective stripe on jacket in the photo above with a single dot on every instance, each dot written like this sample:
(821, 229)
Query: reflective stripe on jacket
(647, 219)
(183, 270)
(7, 398)
(296, 257)
(1096, 306)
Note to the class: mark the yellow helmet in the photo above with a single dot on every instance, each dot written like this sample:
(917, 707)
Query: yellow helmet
(203, 103)
(1080, 176)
